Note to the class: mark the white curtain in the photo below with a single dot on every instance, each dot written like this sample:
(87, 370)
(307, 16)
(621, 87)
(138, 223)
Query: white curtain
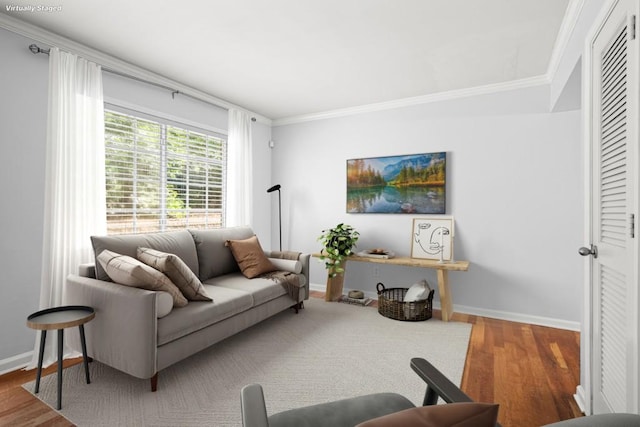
(75, 178)
(239, 170)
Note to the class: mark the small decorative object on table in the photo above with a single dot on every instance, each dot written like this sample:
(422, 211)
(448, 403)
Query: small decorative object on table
(376, 253)
(432, 238)
(407, 304)
(355, 294)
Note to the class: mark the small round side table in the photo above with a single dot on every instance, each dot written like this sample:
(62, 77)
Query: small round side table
(60, 318)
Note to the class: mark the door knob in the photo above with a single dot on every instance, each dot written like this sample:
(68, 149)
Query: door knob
(592, 250)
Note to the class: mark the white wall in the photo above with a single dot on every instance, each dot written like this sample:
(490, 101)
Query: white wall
(23, 118)
(514, 188)
(23, 121)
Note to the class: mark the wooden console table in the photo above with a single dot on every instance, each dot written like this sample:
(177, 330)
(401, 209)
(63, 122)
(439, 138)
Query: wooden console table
(335, 284)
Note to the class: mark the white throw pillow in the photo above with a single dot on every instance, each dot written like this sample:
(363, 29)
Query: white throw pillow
(418, 291)
(291, 265)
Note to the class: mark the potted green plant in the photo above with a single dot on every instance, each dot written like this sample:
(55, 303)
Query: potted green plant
(338, 243)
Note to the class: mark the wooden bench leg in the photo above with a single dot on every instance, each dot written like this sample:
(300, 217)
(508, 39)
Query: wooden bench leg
(446, 306)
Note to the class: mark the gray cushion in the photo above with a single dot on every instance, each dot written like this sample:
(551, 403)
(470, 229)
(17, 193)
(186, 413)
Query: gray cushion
(260, 289)
(214, 258)
(200, 314)
(342, 413)
(179, 243)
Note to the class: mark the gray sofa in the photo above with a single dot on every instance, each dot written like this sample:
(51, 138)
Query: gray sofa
(131, 334)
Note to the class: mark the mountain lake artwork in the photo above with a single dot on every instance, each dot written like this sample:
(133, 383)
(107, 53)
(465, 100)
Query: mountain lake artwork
(413, 184)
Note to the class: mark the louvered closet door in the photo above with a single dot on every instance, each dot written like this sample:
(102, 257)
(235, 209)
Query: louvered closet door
(614, 100)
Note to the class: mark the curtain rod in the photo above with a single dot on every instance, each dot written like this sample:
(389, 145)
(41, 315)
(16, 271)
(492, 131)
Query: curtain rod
(35, 49)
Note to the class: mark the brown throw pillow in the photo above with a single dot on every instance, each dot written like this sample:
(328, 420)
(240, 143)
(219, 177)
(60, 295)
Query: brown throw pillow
(467, 414)
(176, 270)
(250, 257)
(128, 271)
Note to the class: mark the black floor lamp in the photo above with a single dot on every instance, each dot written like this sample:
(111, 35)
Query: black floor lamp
(271, 190)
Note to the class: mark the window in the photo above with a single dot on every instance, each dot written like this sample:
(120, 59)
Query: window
(161, 175)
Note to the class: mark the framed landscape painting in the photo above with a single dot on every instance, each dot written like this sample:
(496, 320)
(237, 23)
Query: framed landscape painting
(413, 184)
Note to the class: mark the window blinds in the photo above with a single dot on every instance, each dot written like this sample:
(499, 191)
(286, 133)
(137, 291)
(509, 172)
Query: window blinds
(161, 176)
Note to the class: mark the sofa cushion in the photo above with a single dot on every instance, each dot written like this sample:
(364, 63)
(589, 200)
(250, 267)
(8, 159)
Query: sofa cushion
(128, 271)
(465, 414)
(214, 258)
(176, 270)
(199, 314)
(260, 289)
(179, 243)
(250, 257)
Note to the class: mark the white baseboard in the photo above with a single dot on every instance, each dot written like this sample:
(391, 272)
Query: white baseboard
(494, 314)
(580, 398)
(519, 317)
(15, 362)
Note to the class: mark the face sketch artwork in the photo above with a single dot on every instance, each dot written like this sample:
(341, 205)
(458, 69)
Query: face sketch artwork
(430, 241)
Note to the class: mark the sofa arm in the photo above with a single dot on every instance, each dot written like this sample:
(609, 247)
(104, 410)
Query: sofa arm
(87, 270)
(438, 385)
(304, 260)
(253, 407)
(123, 334)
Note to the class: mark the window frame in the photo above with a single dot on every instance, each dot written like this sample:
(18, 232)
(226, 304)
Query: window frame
(166, 121)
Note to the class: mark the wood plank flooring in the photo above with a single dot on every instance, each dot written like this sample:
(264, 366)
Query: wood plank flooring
(531, 371)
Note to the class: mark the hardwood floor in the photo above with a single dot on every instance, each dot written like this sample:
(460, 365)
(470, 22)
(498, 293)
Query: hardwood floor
(18, 407)
(531, 371)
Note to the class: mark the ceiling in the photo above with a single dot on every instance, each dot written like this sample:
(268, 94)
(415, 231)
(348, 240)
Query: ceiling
(288, 58)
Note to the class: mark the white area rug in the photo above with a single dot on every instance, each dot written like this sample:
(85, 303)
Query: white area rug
(326, 352)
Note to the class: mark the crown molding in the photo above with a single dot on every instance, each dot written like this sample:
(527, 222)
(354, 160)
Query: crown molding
(51, 39)
(110, 62)
(571, 16)
(416, 100)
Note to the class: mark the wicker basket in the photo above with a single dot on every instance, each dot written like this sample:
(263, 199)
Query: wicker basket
(391, 304)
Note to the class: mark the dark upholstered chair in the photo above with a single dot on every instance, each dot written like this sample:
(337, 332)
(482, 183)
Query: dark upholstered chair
(351, 412)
